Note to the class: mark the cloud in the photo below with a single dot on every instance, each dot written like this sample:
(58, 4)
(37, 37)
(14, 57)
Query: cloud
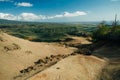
(24, 4)
(7, 16)
(58, 16)
(28, 16)
(115, 0)
(34, 17)
(77, 13)
(67, 14)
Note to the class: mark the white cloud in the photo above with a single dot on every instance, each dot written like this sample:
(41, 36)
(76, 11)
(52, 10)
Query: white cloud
(58, 16)
(33, 17)
(28, 17)
(42, 17)
(77, 13)
(67, 14)
(7, 16)
(24, 4)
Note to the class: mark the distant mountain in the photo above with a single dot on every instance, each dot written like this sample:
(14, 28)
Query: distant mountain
(4, 21)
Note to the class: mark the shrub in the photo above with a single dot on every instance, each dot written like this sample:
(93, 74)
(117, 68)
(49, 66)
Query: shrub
(105, 32)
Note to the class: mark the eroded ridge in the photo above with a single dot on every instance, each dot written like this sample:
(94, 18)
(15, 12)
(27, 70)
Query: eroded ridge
(39, 66)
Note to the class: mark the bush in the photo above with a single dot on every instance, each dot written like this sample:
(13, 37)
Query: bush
(105, 32)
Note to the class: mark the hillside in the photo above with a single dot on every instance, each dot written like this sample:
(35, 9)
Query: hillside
(17, 54)
(19, 60)
(77, 67)
(59, 40)
(24, 60)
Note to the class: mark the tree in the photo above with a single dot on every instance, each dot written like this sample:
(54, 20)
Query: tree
(101, 32)
(115, 24)
(115, 30)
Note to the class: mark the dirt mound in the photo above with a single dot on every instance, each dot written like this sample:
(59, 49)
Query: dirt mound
(73, 68)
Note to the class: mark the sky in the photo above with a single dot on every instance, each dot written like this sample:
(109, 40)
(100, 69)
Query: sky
(59, 10)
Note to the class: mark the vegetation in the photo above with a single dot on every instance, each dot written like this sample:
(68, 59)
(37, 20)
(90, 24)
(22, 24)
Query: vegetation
(107, 32)
(54, 32)
(110, 35)
(46, 32)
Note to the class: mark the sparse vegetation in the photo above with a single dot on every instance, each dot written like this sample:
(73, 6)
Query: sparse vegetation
(110, 36)
(46, 32)
(107, 33)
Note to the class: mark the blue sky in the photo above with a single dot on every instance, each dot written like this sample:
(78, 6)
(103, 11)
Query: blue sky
(59, 10)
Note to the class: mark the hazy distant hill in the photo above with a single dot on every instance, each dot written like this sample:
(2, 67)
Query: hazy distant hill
(5, 21)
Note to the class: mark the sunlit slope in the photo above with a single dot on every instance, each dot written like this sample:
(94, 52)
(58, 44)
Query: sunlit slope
(17, 54)
(77, 67)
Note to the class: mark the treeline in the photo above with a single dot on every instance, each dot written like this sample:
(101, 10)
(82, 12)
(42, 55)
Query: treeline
(107, 32)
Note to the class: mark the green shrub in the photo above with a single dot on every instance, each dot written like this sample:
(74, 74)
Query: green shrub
(105, 32)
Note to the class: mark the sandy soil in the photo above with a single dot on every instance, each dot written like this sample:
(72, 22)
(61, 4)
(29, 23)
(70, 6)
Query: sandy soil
(77, 67)
(17, 54)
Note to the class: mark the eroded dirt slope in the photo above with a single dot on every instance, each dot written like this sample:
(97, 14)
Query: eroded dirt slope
(17, 54)
(78, 67)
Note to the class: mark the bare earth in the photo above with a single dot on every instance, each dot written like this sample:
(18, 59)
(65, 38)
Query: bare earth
(77, 67)
(17, 54)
